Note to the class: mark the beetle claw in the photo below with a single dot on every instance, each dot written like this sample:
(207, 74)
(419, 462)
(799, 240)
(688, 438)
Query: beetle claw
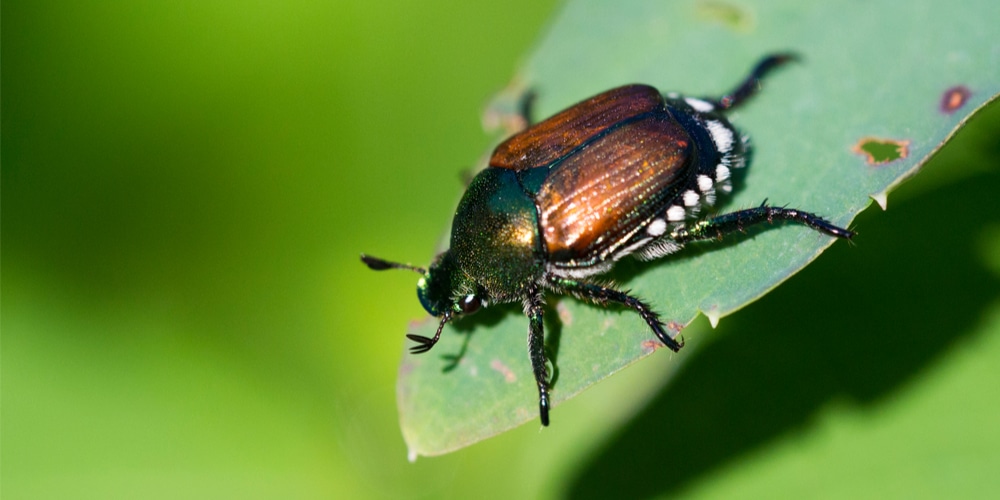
(424, 343)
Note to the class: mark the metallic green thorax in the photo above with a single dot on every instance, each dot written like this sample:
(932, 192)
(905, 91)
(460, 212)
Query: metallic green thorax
(495, 248)
(494, 237)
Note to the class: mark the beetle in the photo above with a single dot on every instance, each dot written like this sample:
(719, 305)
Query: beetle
(626, 172)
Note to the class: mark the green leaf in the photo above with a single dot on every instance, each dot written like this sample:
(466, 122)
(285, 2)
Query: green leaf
(880, 88)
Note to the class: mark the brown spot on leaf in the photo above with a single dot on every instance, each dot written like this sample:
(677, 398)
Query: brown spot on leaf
(508, 375)
(565, 316)
(954, 98)
(879, 151)
(651, 345)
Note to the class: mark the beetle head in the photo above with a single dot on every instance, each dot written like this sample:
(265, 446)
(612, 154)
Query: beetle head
(445, 289)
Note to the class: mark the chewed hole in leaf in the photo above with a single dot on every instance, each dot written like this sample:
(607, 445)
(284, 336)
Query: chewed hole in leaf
(879, 151)
(954, 98)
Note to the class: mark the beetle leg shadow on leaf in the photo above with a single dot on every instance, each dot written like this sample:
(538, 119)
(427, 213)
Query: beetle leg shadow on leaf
(553, 336)
(490, 317)
(467, 325)
(455, 359)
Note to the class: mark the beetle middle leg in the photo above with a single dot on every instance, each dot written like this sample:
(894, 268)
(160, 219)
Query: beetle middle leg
(534, 304)
(602, 295)
(526, 106)
(719, 226)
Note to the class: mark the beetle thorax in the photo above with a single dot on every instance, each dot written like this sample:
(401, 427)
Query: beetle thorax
(494, 238)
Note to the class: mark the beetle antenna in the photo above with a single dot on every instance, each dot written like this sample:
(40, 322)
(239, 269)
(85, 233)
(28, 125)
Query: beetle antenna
(377, 264)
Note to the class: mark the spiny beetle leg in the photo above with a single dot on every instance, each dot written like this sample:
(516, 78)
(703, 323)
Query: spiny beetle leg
(602, 295)
(534, 308)
(719, 226)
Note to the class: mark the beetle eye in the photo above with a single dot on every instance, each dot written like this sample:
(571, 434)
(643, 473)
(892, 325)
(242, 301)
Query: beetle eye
(470, 304)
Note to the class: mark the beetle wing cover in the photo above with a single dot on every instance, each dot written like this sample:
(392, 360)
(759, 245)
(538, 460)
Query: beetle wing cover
(598, 200)
(549, 140)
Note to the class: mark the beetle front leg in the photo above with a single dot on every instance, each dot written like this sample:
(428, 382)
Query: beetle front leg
(602, 295)
(719, 226)
(425, 344)
(534, 308)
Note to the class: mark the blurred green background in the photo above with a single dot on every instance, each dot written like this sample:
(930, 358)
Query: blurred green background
(187, 187)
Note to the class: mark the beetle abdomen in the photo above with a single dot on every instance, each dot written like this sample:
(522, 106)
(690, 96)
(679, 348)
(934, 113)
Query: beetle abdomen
(626, 189)
(595, 199)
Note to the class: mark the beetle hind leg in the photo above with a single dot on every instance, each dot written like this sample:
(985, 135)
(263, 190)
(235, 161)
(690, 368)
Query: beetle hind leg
(526, 106)
(602, 295)
(751, 84)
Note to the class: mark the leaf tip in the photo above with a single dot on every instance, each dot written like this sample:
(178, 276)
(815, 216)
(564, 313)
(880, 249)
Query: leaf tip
(882, 198)
(713, 317)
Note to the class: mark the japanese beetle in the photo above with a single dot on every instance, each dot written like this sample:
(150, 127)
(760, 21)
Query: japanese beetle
(626, 172)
